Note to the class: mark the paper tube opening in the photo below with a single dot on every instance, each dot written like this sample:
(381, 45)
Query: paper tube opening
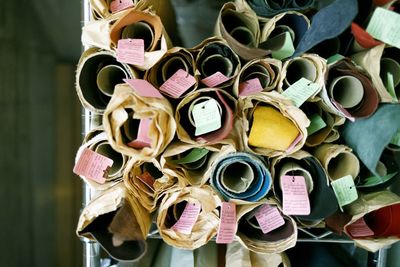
(348, 91)
(152, 170)
(130, 128)
(171, 66)
(257, 71)
(105, 149)
(139, 30)
(342, 165)
(294, 169)
(389, 65)
(300, 68)
(108, 77)
(237, 177)
(243, 35)
(215, 63)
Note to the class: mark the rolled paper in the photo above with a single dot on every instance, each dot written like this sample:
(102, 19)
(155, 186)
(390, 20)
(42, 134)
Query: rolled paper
(389, 65)
(369, 141)
(370, 99)
(254, 239)
(119, 160)
(299, 68)
(323, 201)
(271, 129)
(154, 113)
(266, 70)
(97, 74)
(241, 176)
(269, 8)
(225, 105)
(205, 225)
(108, 77)
(338, 161)
(139, 30)
(347, 90)
(380, 213)
(280, 132)
(240, 28)
(118, 222)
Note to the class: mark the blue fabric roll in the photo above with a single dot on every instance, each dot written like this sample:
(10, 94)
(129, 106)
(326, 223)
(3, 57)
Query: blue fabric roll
(255, 191)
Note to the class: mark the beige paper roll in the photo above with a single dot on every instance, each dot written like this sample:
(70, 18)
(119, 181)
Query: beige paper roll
(224, 64)
(300, 68)
(108, 77)
(347, 91)
(139, 30)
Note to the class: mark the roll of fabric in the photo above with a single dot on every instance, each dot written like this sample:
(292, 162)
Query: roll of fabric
(118, 222)
(221, 106)
(241, 176)
(137, 126)
(191, 163)
(250, 235)
(175, 59)
(240, 28)
(215, 55)
(309, 66)
(323, 201)
(99, 144)
(375, 220)
(239, 256)
(266, 70)
(338, 160)
(271, 124)
(144, 25)
(349, 91)
(270, 8)
(206, 224)
(97, 75)
(148, 182)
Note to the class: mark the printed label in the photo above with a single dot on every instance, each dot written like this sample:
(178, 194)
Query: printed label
(178, 83)
(295, 196)
(269, 218)
(300, 91)
(206, 116)
(131, 51)
(227, 226)
(188, 218)
(93, 166)
(345, 190)
(250, 87)
(215, 79)
(143, 88)
(118, 5)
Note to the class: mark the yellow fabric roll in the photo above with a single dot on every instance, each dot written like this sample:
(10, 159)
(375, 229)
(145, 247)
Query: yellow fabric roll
(271, 129)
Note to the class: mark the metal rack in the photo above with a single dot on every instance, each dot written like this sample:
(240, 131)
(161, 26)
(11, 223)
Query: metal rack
(92, 250)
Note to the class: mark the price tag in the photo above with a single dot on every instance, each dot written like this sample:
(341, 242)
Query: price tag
(131, 51)
(359, 228)
(300, 91)
(250, 87)
(93, 166)
(215, 79)
(188, 218)
(345, 190)
(384, 26)
(269, 218)
(143, 88)
(143, 139)
(178, 83)
(206, 116)
(295, 196)
(227, 226)
(118, 5)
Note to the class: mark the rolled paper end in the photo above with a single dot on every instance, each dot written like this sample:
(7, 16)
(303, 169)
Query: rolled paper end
(348, 91)
(345, 163)
(389, 65)
(172, 65)
(294, 169)
(243, 35)
(300, 68)
(139, 30)
(272, 130)
(108, 77)
(237, 177)
(106, 150)
(215, 63)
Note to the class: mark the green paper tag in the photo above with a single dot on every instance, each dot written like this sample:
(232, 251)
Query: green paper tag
(300, 91)
(334, 59)
(375, 180)
(206, 116)
(194, 155)
(384, 26)
(345, 190)
(396, 139)
(286, 49)
(390, 85)
(316, 124)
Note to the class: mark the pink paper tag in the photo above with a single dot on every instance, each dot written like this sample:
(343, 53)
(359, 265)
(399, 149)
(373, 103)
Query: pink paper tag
(143, 139)
(188, 218)
(143, 88)
(93, 166)
(343, 110)
(295, 142)
(215, 79)
(359, 228)
(118, 5)
(250, 87)
(147, 179)
(269, 218)
(131, 51)
(227, 226)
(295, 196)
(178, 83)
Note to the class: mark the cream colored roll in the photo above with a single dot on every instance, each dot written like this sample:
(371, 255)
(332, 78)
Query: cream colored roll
(347, 91)
(108, 76)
